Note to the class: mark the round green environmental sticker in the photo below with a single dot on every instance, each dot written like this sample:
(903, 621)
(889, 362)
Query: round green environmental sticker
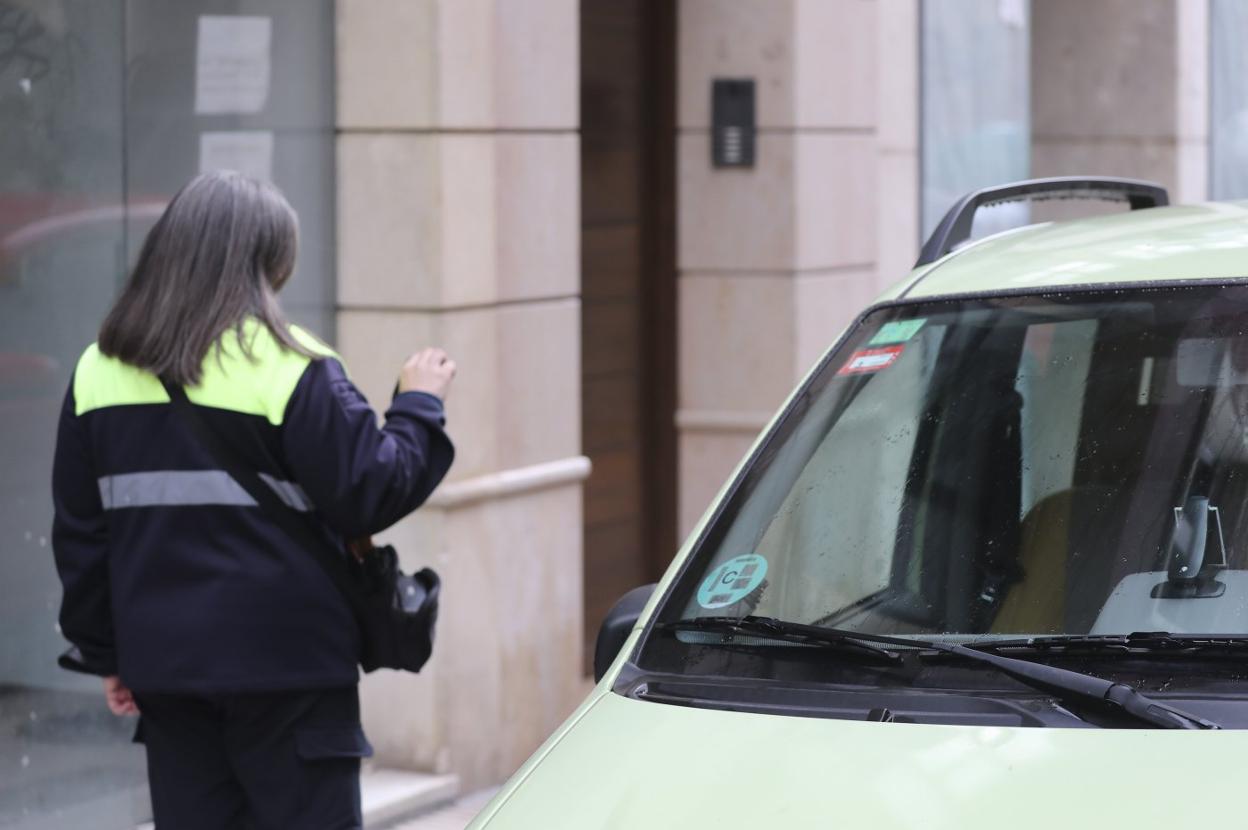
(732, 581)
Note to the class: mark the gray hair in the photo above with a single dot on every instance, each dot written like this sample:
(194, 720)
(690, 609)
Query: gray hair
(217, 256)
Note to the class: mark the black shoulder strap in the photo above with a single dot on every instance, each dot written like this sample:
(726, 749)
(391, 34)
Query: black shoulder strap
(332, 560)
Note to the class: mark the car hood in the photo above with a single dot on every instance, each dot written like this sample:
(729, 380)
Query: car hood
(631, 764)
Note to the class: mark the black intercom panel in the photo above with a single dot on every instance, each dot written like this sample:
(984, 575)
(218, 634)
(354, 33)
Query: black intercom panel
(732, 122)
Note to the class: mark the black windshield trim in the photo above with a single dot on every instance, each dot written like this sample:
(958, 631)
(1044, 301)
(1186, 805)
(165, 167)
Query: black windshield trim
(901, 301)
(953, 707)
(1064, 683)
(1136, 643)
(1066, 288)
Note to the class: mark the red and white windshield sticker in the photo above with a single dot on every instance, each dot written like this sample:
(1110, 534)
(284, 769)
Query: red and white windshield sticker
(871, 360)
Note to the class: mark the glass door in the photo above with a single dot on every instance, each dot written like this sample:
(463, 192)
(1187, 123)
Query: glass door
(106, 108)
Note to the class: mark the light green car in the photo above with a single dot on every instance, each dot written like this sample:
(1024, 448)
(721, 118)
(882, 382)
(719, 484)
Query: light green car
(987, 568)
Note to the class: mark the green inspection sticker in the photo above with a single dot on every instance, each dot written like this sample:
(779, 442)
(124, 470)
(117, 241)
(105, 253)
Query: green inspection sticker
(898, 332)
(732, 581)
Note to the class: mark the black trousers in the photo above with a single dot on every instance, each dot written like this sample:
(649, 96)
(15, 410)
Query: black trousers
(273, 761)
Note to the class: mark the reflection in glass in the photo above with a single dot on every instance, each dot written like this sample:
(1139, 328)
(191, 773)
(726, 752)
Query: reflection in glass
(975, 128)
(98, 127)
(1228, 105)
(1013, 466)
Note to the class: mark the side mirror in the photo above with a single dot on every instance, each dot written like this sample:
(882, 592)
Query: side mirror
(616, 627)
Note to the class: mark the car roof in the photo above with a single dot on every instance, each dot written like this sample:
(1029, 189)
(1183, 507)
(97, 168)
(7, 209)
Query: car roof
(1184, 242)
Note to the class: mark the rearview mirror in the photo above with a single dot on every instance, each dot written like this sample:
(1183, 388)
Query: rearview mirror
(616, 627)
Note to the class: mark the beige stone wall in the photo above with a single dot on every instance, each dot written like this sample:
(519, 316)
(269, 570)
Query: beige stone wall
(775, 260)
(458, 224)
(1120, 87)
(897, 140)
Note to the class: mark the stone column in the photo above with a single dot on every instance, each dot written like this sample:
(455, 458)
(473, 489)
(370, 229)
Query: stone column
(458, 221)
(897, 140)
(776, 259)
(1120, 87)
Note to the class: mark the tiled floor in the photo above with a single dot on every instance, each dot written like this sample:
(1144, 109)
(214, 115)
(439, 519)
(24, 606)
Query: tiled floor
(454, 817)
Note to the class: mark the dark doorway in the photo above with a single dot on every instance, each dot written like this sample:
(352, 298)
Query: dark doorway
(628, 286)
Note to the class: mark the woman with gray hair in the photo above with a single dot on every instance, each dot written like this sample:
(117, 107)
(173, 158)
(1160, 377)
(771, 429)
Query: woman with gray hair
(230, 641)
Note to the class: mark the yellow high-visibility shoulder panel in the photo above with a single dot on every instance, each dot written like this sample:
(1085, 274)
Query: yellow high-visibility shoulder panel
(257, 385)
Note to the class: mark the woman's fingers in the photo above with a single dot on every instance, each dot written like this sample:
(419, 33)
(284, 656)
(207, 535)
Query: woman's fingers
(123, 707)
(120, 699)
(428, 370)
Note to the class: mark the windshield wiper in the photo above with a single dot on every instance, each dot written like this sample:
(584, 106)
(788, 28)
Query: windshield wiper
(771, 628)
(1106, 644)
(1058, 681)
(1064, 681)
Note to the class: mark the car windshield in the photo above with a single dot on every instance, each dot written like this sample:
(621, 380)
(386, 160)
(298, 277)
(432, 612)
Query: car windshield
(1068, 463)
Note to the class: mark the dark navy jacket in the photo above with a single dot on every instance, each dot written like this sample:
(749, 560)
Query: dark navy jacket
(173, 577)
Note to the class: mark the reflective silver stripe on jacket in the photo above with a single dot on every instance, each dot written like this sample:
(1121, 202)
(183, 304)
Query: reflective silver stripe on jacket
(170, 488)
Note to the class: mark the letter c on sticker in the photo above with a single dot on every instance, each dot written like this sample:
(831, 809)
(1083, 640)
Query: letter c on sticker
(732, 581)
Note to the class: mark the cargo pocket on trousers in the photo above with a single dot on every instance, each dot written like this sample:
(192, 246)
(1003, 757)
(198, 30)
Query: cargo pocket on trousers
(325, 743)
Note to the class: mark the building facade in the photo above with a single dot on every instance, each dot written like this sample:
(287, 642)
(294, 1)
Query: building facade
(534, 185)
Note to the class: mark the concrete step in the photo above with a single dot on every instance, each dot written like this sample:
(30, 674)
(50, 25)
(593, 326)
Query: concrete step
(390, 795)
(452, 817)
